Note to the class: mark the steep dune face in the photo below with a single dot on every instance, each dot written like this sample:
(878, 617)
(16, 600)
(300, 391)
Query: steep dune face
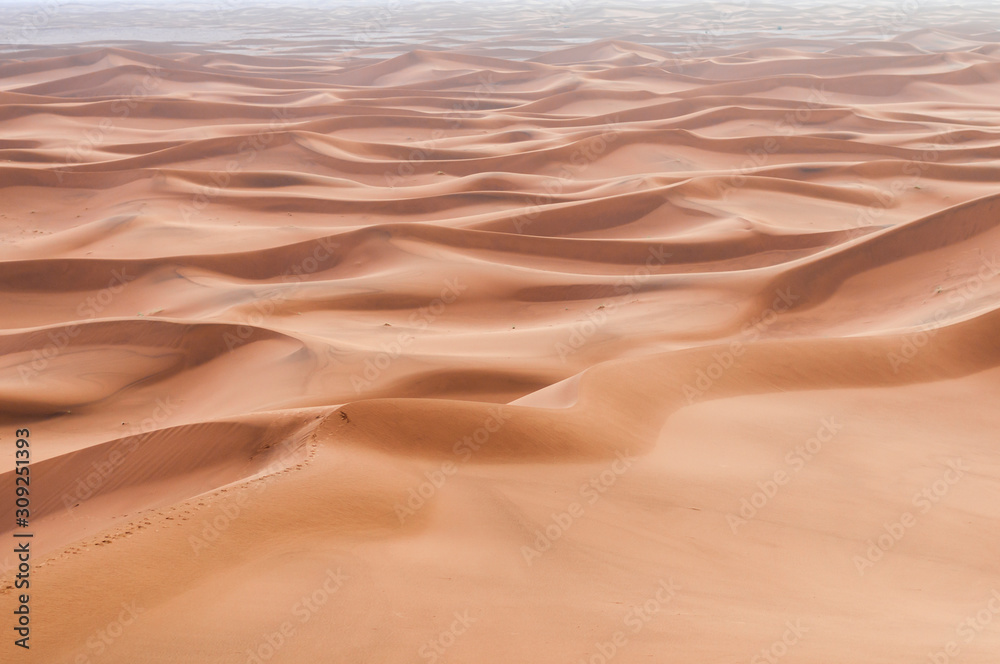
(456, 333)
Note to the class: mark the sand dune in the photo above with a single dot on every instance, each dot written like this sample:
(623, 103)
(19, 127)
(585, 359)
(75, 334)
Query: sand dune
(491, 333)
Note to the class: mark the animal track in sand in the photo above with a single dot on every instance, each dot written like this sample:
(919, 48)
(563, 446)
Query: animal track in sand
(184, 509)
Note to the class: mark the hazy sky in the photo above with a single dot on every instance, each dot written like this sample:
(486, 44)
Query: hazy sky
(211, 3)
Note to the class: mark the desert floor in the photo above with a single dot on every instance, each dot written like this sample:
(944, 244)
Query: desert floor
(482, 333)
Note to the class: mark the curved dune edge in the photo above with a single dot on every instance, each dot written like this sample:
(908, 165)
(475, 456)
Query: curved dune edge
(562, 326)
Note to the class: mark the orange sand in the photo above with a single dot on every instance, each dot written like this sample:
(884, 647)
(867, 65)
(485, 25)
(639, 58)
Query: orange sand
(508, 338)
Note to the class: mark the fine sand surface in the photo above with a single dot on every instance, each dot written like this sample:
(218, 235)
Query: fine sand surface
(488, 334)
